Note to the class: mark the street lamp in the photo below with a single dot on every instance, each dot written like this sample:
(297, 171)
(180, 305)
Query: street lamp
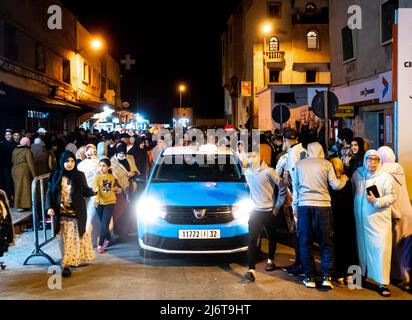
(182, 88)
(96, 44)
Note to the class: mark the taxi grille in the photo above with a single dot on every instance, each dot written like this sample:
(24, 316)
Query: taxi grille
(186, 216)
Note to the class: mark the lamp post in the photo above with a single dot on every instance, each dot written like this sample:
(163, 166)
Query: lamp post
(182, 88)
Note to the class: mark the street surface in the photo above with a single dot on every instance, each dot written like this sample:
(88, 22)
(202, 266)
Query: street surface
(122, 274)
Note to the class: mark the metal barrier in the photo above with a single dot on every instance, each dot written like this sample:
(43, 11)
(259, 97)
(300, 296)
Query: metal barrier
(38, 252)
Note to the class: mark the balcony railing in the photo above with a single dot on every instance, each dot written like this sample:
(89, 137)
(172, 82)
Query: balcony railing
(275, 56)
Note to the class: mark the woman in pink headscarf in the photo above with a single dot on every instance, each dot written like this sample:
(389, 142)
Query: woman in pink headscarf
(23, 172)
(402, 218)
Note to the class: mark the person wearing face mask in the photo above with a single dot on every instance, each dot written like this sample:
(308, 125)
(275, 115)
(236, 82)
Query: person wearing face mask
(374, 196)
(357, 147)
(124, 170)
(401, 219)
(90, 167)
(262, 181)
(67, 189)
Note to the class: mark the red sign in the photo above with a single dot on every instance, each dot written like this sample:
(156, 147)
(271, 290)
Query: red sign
(246, 88)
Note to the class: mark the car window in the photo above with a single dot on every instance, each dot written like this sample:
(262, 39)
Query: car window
(213, 169)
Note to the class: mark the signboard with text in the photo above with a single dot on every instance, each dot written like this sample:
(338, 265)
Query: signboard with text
(403, 111)
(246, 88)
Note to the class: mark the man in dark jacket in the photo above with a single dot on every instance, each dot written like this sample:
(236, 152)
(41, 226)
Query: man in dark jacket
(6, 149)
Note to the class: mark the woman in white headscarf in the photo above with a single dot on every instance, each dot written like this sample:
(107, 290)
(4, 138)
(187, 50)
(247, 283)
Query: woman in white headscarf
(401, 217)
(90, 167)
(373, 218)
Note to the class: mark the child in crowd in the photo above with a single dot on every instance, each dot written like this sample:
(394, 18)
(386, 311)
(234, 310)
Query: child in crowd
(105, 201)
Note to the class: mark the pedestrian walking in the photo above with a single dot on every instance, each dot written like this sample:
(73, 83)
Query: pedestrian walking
(374, 196)
(65, 200)
(105, 201)
(262, 181)
(90, 167)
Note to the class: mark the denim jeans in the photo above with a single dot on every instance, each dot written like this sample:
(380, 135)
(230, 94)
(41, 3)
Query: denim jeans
(105, 213)
(315, 224)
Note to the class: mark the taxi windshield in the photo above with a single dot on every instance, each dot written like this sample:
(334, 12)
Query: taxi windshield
(204, 168)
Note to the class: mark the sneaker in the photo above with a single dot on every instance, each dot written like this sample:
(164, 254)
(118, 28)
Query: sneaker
(100, 249)
(66, 272)
(309, 282)
(327, 282)
(248, 277)
(106, 244)
(270, 267)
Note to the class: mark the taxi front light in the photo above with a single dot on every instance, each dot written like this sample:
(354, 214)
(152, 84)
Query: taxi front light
(243, 209)
(150, 209)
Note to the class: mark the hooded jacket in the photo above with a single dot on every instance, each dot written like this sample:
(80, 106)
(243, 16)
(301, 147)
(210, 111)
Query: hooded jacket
(312, 178)
(262, 182)
(373, 221)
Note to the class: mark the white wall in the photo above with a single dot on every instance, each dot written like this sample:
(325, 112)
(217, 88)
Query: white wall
(403, 111)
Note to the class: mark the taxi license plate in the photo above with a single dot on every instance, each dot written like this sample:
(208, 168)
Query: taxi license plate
(199, 234)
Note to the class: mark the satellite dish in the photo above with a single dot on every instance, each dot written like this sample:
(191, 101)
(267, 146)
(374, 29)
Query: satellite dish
(318, 104)
(281, 114)
(125, 105)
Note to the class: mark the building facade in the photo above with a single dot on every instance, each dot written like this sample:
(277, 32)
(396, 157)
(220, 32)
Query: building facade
(361, 64)
(51, 78)
(282, 48)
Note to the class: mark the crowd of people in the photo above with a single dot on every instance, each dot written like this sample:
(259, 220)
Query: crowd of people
(352, 201)
(98, 166)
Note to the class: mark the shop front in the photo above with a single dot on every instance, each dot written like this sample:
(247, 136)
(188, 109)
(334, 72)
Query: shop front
(24, 110)
(373, 110)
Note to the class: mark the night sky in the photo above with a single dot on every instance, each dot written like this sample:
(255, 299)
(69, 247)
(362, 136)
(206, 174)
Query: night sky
(172, 42)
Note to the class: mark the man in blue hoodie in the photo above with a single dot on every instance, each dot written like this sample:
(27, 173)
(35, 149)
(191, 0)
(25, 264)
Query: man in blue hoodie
(312, 209)
(262, 181)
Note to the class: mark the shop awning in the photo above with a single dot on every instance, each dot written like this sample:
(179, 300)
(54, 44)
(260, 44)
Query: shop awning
(11, 96)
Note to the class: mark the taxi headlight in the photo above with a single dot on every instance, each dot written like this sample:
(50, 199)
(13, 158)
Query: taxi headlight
(243, 209)
(150, 209)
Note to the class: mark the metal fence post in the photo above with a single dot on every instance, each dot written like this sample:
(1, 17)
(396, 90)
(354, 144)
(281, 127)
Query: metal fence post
(38, 252)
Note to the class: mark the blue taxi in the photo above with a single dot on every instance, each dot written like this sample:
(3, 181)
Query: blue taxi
(196, 201)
